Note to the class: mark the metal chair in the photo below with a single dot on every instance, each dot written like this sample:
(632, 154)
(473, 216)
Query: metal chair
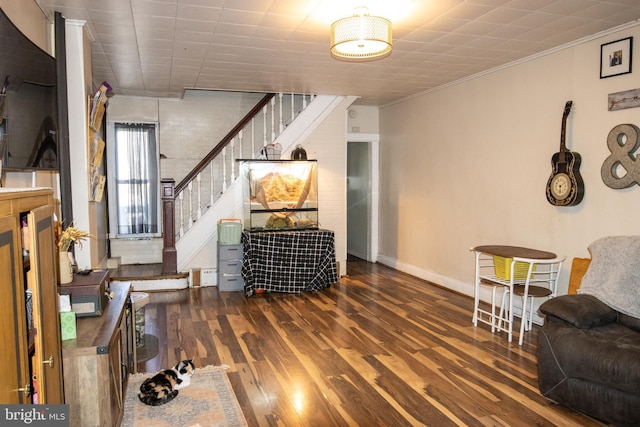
(541, 282)
(484, 277)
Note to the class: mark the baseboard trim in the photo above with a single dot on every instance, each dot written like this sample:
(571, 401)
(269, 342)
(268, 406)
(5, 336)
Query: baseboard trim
(464, 288)
(459, 286)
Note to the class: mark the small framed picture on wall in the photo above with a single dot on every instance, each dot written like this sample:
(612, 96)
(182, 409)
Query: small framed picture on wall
(615, 57)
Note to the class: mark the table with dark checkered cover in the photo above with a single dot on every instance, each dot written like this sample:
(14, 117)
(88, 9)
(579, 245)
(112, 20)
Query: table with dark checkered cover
(288, 261)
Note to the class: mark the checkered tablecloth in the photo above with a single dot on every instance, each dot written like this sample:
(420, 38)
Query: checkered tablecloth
(288, 261)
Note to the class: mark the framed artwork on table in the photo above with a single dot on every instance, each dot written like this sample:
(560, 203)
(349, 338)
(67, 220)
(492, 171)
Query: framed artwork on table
(615, 57)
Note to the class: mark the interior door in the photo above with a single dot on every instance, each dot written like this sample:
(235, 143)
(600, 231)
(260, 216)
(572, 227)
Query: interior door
(42, 280)
(358, 199)
(14, 369)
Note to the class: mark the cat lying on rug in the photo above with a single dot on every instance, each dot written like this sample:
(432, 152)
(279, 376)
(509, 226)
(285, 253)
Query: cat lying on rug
(163, 387)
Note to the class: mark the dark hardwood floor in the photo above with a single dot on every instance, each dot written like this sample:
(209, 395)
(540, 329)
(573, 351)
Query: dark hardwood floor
(379, 348)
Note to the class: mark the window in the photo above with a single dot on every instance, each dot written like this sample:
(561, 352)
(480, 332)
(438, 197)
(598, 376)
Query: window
(134, 180)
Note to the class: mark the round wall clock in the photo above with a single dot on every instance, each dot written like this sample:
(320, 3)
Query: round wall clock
(560, 186)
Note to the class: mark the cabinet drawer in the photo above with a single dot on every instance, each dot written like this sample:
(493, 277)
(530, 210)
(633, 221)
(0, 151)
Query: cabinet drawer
(228, 282)
(228, 252)
(229, 266)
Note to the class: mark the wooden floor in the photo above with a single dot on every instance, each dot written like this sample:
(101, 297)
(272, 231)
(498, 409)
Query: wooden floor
(379, 348)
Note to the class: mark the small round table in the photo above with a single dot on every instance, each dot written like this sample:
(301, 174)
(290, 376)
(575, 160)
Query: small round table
(510, 278)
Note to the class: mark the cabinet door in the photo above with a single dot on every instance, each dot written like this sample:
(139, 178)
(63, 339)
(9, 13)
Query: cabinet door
(127, 332)
(47, 360)
(115, 377)
(14, 346)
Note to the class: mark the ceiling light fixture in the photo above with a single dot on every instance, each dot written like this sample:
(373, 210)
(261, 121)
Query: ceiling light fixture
(361, 37)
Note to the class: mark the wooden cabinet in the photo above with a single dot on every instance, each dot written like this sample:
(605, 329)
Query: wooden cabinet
(98, 362)
(29, 352)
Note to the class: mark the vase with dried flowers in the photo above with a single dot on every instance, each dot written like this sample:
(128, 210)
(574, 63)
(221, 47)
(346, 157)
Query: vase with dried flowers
(70, 236)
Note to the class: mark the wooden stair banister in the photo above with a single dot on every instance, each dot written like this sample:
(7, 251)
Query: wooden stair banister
(169, 254)
(223, 143)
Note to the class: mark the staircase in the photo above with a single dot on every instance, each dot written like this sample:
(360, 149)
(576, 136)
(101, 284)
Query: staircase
(212, 190)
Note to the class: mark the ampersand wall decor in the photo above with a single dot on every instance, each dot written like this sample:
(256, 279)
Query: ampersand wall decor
(622, 142)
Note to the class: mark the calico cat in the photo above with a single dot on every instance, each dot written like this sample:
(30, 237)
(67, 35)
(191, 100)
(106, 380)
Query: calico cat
(163, 387)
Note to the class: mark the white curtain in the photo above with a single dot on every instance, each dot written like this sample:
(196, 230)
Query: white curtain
(136, 178)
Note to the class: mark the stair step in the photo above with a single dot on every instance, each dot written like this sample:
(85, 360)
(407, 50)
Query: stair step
(159, 284)
(149, 277)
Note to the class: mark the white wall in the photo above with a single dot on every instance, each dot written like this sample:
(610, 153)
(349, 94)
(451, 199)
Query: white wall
(468, 165)
(28, 17)
(363, 119)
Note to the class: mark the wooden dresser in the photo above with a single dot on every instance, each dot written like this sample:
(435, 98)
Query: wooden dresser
(98, 362)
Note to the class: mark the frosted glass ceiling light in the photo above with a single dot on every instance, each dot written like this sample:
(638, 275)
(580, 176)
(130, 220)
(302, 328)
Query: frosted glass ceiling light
(361, 37)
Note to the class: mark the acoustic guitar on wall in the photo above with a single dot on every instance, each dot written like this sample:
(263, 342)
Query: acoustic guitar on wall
(565, 186)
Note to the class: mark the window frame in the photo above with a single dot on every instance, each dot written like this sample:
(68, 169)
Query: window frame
(112, 185)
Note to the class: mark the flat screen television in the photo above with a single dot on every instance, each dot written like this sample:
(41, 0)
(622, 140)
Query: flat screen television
(28, 102)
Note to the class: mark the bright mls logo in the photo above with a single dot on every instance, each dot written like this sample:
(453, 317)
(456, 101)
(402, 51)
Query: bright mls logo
(34, 415)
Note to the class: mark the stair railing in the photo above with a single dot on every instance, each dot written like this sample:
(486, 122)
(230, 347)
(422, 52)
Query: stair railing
(185, 203)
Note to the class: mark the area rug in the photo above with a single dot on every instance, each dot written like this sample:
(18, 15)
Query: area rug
(208, 401)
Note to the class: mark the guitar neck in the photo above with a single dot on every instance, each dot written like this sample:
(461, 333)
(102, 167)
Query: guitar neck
(563, 131)
(563, 147)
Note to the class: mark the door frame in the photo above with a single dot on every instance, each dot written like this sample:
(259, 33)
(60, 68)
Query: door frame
(373, 141)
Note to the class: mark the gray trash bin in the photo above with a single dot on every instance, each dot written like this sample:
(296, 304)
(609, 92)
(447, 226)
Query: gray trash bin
(139, 300)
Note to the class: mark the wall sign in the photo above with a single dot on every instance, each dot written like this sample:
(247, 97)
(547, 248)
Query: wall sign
(624, 99)
(622, 168)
